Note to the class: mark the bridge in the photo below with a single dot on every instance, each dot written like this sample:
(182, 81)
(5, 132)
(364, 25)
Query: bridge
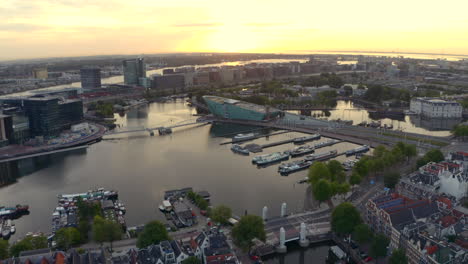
(306, 227)
(161, 129)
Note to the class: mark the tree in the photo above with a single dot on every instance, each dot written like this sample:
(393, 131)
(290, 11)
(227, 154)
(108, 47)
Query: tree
(433, 155)
(460, 131)
(391, 179)
(221, 214)
(191, 260)
(398, 257)
(379, 151)
(318, 171)
(345, 217)
(362, 233)
(379, 246)
(153, 233)
(248, 228)
(336, 171)
(106, 231)
(362, 167)
(355, 179)
(28, 243)
(343, 188)
(67, 237)
(3, 249)
(322, 190)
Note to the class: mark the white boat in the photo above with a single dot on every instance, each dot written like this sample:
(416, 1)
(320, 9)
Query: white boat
(240, 137)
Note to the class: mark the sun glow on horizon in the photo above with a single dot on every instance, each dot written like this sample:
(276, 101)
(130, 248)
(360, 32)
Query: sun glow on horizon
(42, 28)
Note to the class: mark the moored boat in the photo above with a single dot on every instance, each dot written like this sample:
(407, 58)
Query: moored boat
(260, 157)
(304, 139)
(327, 143)
(303, 150)
(242, 137)
(287, 168)
(239, 149)
(360, 149)
(321, 156)
(275, 157)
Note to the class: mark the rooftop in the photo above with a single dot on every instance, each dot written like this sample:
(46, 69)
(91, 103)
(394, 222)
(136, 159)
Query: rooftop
(242, 104)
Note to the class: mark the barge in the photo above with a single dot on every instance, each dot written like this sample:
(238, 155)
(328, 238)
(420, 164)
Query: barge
(287, 168)
(302, 140)
(239, 149)
(360, 149)
(273, 158)
(303, 150)
(322, 156)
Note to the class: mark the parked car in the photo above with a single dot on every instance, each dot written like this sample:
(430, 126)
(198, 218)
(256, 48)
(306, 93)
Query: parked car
(368, 259)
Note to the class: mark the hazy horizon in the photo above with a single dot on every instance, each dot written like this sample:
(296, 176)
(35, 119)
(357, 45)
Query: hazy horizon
(68, 28)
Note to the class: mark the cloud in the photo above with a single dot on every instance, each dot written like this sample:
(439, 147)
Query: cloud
(198, 25)
(21, 27)
(265, 24)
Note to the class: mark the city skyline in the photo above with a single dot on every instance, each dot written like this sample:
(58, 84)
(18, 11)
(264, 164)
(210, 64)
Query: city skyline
(55, 28)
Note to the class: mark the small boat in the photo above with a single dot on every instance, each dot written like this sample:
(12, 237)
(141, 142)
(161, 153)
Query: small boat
(360, 149)
(242, 137)
(6, 231)
(303, 150)
(306, 179)
(275, 157)
(302, 140)
(286, 169)
(239, 149)
(321, 156)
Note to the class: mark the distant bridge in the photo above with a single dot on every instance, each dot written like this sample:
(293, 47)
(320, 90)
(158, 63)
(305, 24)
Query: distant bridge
(159, 128)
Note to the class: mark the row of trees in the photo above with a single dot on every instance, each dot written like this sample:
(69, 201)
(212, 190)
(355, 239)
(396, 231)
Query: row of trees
(198, 200)
(27, 243)
(461, 131)
(382, 159)
(330, 79)
(327, 180)
(433, 155)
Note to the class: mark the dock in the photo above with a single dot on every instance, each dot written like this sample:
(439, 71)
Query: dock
(256, 137)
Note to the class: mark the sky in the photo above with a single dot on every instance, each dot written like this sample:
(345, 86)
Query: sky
(54, 28)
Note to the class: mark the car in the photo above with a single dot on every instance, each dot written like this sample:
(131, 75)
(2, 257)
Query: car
(368, 259)
(363, 255)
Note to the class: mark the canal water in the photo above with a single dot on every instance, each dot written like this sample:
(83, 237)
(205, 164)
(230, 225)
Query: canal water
(142, 168)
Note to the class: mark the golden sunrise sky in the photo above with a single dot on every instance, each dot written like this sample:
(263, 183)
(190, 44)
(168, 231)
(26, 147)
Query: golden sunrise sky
(44, 28)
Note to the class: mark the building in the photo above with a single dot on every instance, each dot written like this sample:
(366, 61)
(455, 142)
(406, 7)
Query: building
(48, 116)
(90, 78)
(40, 73)
(168, 82)
(436, 108)
(235, 109)
(6, 130)
(133, 69)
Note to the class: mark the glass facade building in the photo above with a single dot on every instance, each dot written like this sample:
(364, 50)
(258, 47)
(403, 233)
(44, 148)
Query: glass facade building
(133, 69)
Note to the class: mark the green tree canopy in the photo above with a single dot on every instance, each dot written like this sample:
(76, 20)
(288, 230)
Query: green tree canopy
(433, 155)
(391, 179)
(28, 243)
(153, 233)
(343, 188)
(3, 249)
(355, 179)
(221, 214)
(318, 171)
(362, 167)
(248, 228)
(106, 231)
(322, 190)
(67, 237)
(192, 260)
(379, 246)
(345, 217)
(362, 233)
(398, 257)
(460, 131)
(336, 171)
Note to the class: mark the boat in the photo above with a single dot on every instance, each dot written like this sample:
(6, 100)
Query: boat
(360, 149)
(306, 179)
(100, 193)
(6, 230)
(275, 157)
(260, 157)
(243, 137)
(302, 150)
(13, 229)
(13, 211)
(239, 149)
(321, 156)
(301, 140)
(164, 131)
(327, 143)
(286, 169)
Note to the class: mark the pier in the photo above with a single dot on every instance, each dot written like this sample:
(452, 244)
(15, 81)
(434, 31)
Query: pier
(159, 128)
